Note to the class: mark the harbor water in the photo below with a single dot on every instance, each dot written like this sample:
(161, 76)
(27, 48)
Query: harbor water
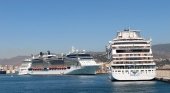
(77, 84)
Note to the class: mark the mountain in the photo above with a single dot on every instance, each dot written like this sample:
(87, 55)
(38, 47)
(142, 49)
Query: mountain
(161, 51)
(99, 56)
(13, 61)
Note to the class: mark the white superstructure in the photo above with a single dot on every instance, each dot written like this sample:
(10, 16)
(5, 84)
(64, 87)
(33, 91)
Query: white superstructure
(82, 60)
(24, 67)
(50, 64)
(130, 57)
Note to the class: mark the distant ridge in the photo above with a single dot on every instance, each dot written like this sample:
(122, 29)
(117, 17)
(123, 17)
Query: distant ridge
(159, 51)
(13, 61)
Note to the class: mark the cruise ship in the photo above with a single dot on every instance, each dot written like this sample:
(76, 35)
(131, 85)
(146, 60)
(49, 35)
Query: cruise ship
(84, 61)
(130, 57)
(75, 63)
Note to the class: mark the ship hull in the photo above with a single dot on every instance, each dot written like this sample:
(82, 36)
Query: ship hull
(79, 70)
(2, 72)
(131, 76)
(85, 70)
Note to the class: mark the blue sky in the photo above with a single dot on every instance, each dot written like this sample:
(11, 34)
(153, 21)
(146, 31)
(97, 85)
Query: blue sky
(31, 26)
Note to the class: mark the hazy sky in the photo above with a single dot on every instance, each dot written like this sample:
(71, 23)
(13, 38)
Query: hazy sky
(31, 26)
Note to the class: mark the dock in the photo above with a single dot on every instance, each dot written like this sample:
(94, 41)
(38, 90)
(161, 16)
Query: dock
(163, 75)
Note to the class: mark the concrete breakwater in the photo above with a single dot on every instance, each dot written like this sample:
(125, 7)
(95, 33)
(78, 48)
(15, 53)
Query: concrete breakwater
(163, 75)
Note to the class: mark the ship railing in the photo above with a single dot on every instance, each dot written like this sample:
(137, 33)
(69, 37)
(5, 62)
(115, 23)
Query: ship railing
(135, 67)
(130, 45)
(125, 57)
(132, 55)
(135, 39)
(136, 63)
(124, 60)
(132, 64)
(132, 58)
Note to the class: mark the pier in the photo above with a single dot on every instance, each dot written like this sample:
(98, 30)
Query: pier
(163, 75)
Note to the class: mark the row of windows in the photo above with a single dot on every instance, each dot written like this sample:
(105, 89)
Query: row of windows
(117, 43)
(139, 58)
(138, 62)
(133, 67)
(132, 50)
(131, 47)
(78, 55)
(120, 55)
(127, 71)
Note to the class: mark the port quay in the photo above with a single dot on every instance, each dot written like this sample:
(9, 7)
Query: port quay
(9, 69)
(161, 74)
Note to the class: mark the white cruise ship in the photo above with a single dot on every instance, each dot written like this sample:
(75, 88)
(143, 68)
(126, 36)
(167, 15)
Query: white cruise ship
(130, 57)
(83, 60)
(49, 64)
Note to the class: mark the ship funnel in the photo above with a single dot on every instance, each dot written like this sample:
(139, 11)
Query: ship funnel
(48, 52)
(32, 56)
(41, 53)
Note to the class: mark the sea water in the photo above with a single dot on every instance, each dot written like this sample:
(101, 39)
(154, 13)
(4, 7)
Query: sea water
(77, 84)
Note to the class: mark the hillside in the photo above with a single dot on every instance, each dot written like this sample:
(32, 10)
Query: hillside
(13, 61)
(159, 51)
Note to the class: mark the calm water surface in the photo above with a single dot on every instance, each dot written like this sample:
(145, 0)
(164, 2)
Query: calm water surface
(77, 84)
